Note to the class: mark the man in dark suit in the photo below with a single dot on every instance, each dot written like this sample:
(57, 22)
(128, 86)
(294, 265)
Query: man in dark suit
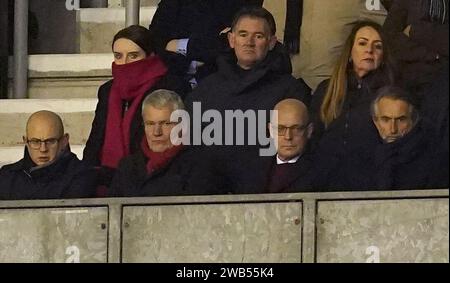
(289, 170)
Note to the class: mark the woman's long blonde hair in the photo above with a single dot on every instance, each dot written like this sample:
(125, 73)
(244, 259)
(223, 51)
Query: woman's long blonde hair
(333, 101)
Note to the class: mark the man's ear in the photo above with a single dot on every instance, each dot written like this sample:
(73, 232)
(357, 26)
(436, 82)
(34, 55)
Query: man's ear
(231, 39)
(273, 42)
(24, 138)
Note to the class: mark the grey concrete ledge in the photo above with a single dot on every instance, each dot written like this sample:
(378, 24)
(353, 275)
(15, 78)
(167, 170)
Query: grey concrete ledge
(216, 199)
(112, 15)
(71, 105)
(68, 65)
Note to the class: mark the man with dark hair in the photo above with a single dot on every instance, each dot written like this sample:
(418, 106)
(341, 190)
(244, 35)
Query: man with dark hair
(252, 78)
(406, 156)
(190, 34)
(49, 170)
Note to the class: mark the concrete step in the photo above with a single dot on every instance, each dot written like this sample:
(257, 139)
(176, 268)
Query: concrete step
(66, 75)
(77, 116)
(97, 26)
(12, 154)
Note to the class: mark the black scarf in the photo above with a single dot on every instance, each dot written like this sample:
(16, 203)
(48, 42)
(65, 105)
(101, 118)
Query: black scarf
(294, 15)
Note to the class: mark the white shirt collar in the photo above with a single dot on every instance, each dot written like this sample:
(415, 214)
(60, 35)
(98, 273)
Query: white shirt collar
(292, 160)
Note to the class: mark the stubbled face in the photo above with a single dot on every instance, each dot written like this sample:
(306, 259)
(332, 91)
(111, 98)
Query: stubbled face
(158, 127)
(367, 51)
(297, 132)
(251, 40)
(393, 119)
(126, 51)
(47, 151)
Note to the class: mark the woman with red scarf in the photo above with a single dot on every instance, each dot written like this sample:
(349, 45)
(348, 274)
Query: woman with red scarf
(161, 168)
(117, 129)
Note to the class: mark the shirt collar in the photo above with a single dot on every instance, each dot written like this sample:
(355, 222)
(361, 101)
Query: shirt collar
(290, 161)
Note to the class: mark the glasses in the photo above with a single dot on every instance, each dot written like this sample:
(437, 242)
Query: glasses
(36, 143)
(296, 130)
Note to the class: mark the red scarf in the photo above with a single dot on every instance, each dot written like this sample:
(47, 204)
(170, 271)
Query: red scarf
(158, 160)
(131, 82)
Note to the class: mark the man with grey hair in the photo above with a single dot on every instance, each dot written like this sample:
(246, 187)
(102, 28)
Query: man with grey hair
(405, 155)
(48, 169)
(394, 113)
(160, 167)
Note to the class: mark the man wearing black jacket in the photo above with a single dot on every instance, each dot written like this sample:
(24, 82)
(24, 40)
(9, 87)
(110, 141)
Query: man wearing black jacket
(406, 155)
(49, 170)
(252, 78)
(190, 34)
(160, 167)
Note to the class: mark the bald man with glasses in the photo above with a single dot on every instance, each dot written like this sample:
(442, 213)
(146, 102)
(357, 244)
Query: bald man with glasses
(291, 130)
(48, 170)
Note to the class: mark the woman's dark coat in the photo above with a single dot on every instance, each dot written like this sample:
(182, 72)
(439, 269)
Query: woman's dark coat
(352, 128)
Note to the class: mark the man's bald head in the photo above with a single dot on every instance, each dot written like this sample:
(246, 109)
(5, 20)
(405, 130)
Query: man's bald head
(293, 106)
(293, 128)
(45, 137)
(46, 119)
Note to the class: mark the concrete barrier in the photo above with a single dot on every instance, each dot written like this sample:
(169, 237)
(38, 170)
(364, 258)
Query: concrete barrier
(69, 235)
(391, 226)
(383, 231)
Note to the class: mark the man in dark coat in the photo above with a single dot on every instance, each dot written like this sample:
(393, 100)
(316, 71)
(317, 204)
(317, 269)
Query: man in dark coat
(160, 167)
(190, 34)
(253, 79)
(405, 155)
(49, 169)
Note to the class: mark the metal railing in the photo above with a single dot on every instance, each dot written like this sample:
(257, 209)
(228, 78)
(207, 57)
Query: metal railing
(132, 12)
(20, 56)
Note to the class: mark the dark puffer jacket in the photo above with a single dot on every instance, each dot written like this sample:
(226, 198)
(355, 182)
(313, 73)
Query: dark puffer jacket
(67, 177)
(260, 88)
